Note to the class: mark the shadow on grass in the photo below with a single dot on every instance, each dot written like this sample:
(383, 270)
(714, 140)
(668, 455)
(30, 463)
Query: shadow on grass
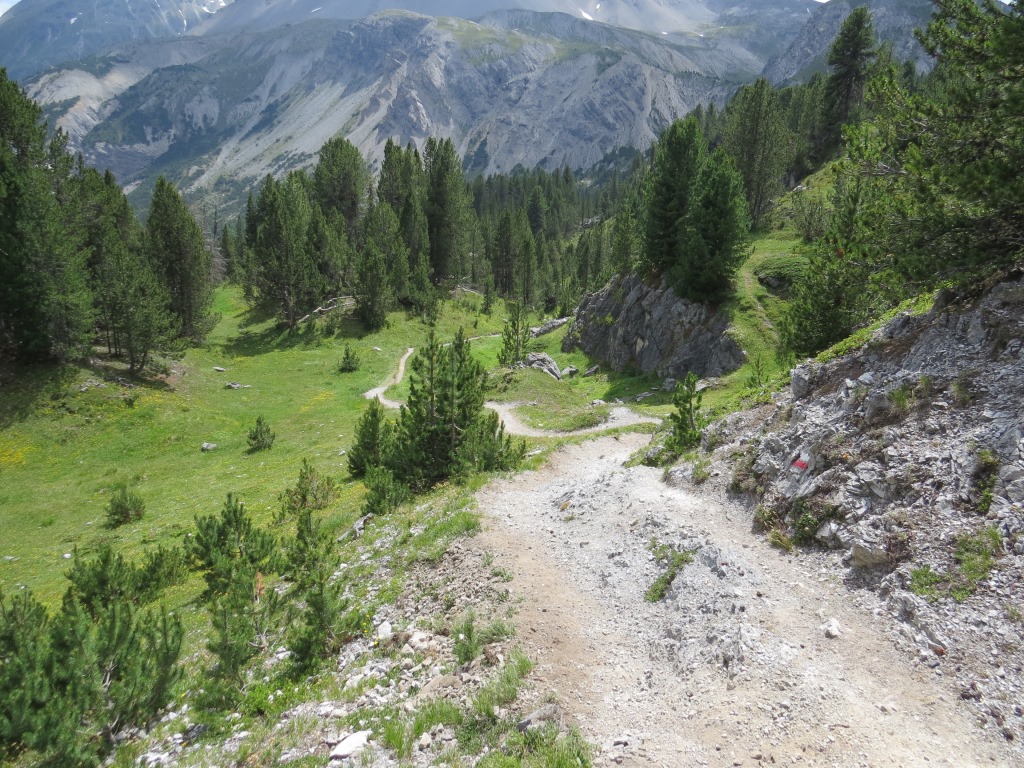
(23, 388)
(277, 337)
(626, 385)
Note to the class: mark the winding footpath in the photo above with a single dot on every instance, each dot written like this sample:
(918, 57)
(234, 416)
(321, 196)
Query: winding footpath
(754, 656)
(619, 416)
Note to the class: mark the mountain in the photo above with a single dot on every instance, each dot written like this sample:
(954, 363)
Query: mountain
(37, 34)
(894, 22)
(647, 15)
(524, 89)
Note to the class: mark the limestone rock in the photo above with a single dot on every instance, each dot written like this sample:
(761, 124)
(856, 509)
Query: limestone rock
(543, 362)
(866, 554)
(549, 326)
(630, 323)
(549, 713)
(351, 745)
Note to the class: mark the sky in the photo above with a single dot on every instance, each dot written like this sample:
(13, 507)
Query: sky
(4, 5)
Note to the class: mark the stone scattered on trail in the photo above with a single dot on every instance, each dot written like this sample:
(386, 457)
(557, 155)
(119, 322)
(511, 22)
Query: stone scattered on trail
(207, 447)
(219, 369)
(832, 629)
(549, 713)
(543, 362)
(351, 745)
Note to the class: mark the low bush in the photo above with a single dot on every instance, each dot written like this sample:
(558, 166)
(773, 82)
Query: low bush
(124, 506)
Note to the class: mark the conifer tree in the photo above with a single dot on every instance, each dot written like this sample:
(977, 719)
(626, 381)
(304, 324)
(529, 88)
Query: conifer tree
(850, 60)
(179, 256)
(515, 335)
(45, 304)
(713, 234)
(287, 274)
(678, 157)
(373, 442)
(446, 208)
(374, 295)
(341, 180)
(757, 139)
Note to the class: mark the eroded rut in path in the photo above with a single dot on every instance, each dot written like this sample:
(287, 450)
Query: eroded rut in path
(734, 667)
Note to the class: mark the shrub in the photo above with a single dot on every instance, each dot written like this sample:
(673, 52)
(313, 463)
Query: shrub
(223, 546)
(807, 515)
(124, 507)
(385, 493)
(349, 361)
(160, 568)
(688, 420)
(986, 472)
(312, 491)
(674, 561)
(260, 436)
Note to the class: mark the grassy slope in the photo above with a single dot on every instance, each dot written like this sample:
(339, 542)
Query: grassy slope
(65, 449)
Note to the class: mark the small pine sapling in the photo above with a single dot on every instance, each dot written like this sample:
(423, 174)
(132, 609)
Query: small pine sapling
(260, 436)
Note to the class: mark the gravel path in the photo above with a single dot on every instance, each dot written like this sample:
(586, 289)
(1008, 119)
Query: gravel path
(390, 382)
(619, 417)
(754, 657)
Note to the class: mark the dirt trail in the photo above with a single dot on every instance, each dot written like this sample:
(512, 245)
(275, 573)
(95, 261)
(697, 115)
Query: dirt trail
(734, 667)
(390, 382)
(619, 417)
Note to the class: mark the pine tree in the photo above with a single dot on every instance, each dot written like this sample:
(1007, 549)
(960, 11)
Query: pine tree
(678, 157)
(850, 59)
(757, 139)
(227, 544)
(341, 180)
(373, 292)
(45, 304)
(515, 335)
(446, 208)
(179, 256)
(713, 234)
(373, 442)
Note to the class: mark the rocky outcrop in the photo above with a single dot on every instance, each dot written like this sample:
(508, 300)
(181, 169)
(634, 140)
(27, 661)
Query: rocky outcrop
(907, 456)
(628, 323)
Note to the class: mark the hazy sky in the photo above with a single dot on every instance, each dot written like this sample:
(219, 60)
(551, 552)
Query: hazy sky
(4, 5)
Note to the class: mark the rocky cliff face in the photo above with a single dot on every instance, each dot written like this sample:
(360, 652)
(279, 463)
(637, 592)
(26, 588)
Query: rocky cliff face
(628, 323)
(907, 455)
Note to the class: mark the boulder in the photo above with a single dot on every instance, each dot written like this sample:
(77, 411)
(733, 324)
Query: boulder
(868, 554)
(207, 447)
(543, 362)
(802, 380)
(351, 745)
